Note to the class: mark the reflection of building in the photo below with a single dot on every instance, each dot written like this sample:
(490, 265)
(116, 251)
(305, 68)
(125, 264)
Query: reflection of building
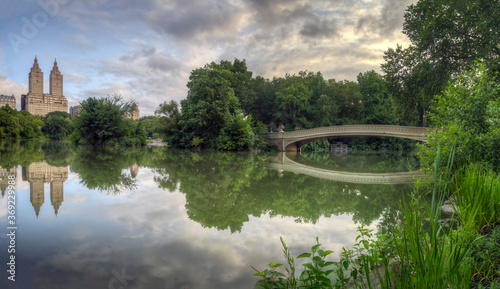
(134, 170)
(39, 103)
(4, 178)
(6, 99)
(40, 173)
(74, 110)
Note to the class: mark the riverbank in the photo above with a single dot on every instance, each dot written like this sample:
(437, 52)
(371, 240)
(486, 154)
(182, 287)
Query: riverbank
(419, 251)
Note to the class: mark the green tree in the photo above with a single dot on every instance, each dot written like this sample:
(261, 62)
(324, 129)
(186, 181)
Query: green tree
(19, 124)
(414, 80)
(326, 111)
(454, 33)
(9, 123)
(209, 104)
(237, 133)
(378, 107)
(446, 38)
(349, 101)
(466, 116)
(168, 117)
(294, 104)
(57, 125)
(102, 122)
(150, 124)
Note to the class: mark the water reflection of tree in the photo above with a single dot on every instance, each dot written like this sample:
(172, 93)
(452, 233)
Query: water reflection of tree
(373, 162)
(17, 152)
(58, 153)
(218, 186)
(102, 168)
(223, 189)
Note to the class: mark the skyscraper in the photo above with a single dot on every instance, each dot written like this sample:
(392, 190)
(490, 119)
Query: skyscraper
(39, 103)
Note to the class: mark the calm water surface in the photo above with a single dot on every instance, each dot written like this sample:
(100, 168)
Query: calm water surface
(162, 218)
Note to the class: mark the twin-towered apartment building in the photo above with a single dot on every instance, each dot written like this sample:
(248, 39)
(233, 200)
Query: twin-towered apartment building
(39, 103)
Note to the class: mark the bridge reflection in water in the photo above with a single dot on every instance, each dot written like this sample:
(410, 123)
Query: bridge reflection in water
(283, 162)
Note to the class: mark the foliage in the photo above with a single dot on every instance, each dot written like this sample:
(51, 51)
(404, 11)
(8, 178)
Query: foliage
(17, 152)
(413, 81)
(466, 118)
(19, 124)
(323, 144)
(294, 104)
(446, 38)
(209, 104)
(167, 122)
(484, 256)
(58, 125)
(349, 101)
(90, 163)
(378, 106)
(150, 125)
(237, 133)
(314, 275)
(455, 33)
(102, 122)
(212, 115)
(476, 198)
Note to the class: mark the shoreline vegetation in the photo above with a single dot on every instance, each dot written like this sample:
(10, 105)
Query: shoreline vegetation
(447, 78)
(420, 251)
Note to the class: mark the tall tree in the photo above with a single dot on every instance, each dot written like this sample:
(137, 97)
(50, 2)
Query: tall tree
(57, 125)
(467, 118)
(294, 104)
(102, 121)
(454, 33)
(209, 104)
(167, 123)
(446, 37)
(378, 107)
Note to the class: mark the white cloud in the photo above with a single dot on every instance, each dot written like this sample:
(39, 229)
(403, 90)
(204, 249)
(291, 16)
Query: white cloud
(147, 49)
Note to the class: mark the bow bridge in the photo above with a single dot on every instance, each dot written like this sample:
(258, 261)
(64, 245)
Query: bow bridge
(294, 140)
(283, 162)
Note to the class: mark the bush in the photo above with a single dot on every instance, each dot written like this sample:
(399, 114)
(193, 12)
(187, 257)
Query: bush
(467, 118)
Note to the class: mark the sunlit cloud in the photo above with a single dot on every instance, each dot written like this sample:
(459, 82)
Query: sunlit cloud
(146, 50)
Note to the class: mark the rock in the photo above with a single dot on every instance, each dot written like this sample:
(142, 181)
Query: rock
(448, 209)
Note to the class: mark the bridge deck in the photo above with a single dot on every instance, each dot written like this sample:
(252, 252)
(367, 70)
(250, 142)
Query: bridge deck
(294, 140)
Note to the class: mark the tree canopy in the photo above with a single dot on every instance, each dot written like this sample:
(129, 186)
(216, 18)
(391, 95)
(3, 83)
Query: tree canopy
(102, 122)
(467, 116)
(19, 124)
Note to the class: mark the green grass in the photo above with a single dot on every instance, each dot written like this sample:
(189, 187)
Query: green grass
(419, 252)
(476, 198)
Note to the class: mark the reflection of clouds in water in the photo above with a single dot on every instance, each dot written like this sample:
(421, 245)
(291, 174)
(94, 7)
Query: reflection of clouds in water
(148, 233)
(3, 207)
(81, 232)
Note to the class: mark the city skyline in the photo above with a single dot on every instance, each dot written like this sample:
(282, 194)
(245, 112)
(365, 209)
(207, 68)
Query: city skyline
(146, 51)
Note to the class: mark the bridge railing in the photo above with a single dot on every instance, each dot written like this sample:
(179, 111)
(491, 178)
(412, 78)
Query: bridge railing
(364, 128)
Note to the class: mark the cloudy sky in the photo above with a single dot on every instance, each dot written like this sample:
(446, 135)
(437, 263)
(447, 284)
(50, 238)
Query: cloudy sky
(145, 50)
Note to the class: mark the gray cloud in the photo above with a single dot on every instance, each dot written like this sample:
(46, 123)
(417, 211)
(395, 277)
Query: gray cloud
(385, 22)
(319, 29)
(9, 87)
(163, 41)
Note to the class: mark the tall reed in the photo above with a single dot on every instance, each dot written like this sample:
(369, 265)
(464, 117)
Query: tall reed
(476, 198)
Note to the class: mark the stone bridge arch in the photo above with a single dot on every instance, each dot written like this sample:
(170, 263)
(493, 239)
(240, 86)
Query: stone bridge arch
(294, 140)
(283, 162)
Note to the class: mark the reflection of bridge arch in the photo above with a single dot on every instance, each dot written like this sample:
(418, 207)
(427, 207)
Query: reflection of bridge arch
(294, 140)
(283, 163)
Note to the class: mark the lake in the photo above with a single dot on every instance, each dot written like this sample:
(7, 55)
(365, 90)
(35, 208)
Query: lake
(164, 218)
